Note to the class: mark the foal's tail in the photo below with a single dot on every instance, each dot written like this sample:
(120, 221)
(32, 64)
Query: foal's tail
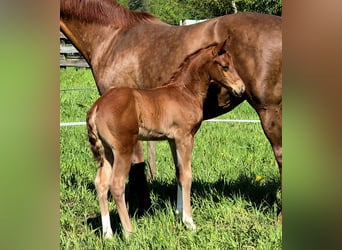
(96, 145)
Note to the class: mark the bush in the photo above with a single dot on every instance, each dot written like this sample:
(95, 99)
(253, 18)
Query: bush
(172, 11)
(262, 6)
(169, 11)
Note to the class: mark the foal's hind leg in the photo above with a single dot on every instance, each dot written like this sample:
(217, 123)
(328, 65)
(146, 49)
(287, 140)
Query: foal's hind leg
(102, 186)
(118, 178)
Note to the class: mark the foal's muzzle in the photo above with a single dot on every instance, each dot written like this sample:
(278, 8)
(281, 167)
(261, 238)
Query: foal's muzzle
(239, 89)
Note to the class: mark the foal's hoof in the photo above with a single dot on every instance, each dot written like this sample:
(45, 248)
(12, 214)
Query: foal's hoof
(189, 223)
(108, 236)
(280, 218)
(127, 235)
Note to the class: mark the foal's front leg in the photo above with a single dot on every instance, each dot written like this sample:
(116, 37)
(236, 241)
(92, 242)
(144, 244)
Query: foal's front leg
(181, 152)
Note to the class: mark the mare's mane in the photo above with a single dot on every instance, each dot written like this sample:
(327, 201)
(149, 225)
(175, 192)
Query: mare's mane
(185, 64)
(105, 12)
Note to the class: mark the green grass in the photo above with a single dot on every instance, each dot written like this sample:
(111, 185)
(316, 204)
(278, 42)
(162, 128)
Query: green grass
(234, 192)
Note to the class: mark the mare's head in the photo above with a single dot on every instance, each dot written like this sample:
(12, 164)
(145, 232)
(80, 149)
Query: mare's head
(222, 70)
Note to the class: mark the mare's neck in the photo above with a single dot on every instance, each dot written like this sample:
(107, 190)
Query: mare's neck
(87, 38)
(92, 25)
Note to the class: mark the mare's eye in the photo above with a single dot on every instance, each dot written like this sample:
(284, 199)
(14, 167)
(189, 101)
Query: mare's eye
(225, 68)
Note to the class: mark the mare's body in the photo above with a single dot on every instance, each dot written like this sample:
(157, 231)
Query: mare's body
(172, 112)
(125, 48)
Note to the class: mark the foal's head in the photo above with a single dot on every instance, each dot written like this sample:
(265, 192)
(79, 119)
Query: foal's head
(222, 70)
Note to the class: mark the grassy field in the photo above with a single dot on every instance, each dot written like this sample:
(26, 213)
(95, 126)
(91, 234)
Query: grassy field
(234, 192)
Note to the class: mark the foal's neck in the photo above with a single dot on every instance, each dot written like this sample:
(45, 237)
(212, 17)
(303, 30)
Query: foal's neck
(194, 77)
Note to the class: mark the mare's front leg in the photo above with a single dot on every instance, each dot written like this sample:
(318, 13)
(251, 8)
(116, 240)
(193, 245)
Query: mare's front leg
(181, 152)
(152, 169)
(102, 180)
(271, 121)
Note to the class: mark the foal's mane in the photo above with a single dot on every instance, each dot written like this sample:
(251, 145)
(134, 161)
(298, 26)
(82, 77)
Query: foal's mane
(103, 12)
(186, 62)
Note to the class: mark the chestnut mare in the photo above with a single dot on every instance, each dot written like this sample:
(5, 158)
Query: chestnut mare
(172, 112)
(132, 49)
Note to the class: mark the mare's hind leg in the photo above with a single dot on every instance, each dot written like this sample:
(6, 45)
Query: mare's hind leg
(102, 186)
(271, 121)
(118, 178)
(181, 153)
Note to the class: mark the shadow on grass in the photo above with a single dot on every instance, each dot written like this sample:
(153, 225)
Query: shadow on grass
(95, 223)
(260, 194)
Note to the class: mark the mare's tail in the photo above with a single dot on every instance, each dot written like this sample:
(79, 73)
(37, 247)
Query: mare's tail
(96, 145)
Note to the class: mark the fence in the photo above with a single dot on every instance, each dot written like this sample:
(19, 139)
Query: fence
(69, 56)
(68, 124)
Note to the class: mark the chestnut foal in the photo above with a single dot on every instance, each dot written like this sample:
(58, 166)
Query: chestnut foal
(173, 112)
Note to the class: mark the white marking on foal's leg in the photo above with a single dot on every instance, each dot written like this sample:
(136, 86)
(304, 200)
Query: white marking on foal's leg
(106, 228)
(179, 210)
(188, 222)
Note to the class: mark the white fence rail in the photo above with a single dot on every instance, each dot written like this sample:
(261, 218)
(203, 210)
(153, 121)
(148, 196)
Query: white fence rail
(70, 124)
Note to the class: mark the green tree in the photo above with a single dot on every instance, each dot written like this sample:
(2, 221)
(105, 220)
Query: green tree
(139, 5)
(262, 6)
(208, 8)
(169, 11)
(172, 11)
(124, 3)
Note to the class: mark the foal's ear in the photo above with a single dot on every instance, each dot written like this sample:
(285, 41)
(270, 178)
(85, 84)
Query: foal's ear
(220, 48)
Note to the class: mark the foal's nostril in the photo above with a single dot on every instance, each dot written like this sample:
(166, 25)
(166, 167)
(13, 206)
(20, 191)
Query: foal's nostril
(236, 93)
(243, 88)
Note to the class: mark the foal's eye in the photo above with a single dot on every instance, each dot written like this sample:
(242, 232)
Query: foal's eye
(225, 68)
